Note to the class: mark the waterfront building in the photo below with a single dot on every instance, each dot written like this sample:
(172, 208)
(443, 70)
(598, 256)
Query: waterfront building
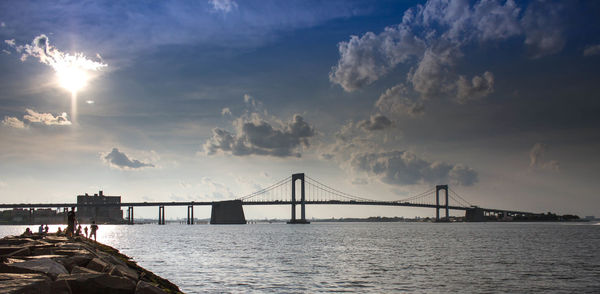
(109, 210)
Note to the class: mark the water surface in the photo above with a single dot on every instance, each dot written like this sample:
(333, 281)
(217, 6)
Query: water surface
(365, 257)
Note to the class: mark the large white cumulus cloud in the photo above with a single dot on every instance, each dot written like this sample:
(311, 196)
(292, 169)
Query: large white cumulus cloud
(431, 38)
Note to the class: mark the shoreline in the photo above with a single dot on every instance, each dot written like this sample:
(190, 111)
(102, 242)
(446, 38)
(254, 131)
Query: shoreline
(56, 264)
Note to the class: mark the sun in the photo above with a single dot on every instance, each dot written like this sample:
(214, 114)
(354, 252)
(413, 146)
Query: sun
(72, 78)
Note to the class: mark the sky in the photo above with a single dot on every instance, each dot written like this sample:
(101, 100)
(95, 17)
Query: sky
(213, 100)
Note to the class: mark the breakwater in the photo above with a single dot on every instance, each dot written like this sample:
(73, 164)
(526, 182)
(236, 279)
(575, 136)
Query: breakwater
(57, 264)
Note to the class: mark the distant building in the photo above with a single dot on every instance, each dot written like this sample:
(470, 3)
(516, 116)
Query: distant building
(589, 217)
(20, 216)
(107, 209)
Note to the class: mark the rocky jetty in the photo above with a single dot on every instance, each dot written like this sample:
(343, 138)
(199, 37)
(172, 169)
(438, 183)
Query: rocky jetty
(55, 264)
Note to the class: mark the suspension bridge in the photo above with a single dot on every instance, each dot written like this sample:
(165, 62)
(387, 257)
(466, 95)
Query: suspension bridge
(301, 190)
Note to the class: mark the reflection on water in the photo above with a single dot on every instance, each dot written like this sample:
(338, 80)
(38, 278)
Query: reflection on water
(365, 257)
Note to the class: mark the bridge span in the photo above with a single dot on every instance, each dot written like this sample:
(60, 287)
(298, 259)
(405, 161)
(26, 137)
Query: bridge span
(312, 192)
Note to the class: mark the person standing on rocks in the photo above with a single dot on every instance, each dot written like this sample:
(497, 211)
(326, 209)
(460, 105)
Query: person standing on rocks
(94, 228)
(71, 222)
(46, 229)
(85, 230)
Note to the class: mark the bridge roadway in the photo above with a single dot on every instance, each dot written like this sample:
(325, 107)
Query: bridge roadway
(254, 203)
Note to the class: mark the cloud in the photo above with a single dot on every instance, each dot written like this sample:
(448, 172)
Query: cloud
(395, 101)
(544, 33)
(257, 136)
(430, 41)
(47, 118)
(405, 168)
(375, 123)
(478, 87)
(537, 160)
(225, 111)
(224, 6)
(120, 160)
(591, 50)
(13, 122)
(64, 64)
(363, 60)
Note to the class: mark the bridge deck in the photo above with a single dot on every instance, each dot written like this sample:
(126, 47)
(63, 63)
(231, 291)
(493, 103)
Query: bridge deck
(256, 203)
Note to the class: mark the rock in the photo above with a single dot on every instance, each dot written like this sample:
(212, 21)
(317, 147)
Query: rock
(43, 251)
(60, 287)
(24, 283)
(110, 259)
(44, 265)
(71, 261)
(124, 271)
(8, 249)
(12, 240)
(55, 239)
(21, 252)
(79, 270)
(147, 288)
(97, 283)
(98, 265)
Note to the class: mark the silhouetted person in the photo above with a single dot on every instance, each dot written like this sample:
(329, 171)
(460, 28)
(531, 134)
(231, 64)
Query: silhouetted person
(78, 232)
(41, 229)
(85, 230)
(27, 232)
(71, 222)
(46, 229)
(94, 228)
(59, 231)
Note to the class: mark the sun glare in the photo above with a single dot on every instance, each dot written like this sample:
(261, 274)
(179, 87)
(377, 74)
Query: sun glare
(72, 78)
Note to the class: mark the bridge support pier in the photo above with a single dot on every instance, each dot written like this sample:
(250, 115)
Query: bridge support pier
(161, 215)
(302, 219)
(190, 215)
(437, 202)
(130, 215)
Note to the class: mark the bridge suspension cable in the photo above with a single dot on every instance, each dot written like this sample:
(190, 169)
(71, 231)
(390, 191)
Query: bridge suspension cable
(266, 190)
(320, 186)
(460, 199)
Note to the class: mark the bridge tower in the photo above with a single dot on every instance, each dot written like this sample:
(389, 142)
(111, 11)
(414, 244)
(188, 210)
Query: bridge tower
(437, 202)
(302, 219)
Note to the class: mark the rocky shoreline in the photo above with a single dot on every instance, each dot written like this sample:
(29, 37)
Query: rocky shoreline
(56, 264)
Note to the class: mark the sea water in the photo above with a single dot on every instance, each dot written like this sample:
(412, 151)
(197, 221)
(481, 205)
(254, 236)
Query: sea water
(364, 257)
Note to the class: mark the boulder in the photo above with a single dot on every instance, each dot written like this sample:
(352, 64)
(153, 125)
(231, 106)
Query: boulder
(71, 261)
(43, 265)
(60, 287)
(24, 283)
(97, 283)
(124, 271)
(12, 240)
(21, 252)
(79, 270)
(8, 249)
(98, 265)
(147, 288)
(110, 258)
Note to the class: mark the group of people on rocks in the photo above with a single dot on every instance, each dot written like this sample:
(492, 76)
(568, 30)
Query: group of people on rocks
(71, 229)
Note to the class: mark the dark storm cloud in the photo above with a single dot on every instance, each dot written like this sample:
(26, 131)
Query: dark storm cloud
(405, 168)
(259, 137)
(375, 123)
(120, 160)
